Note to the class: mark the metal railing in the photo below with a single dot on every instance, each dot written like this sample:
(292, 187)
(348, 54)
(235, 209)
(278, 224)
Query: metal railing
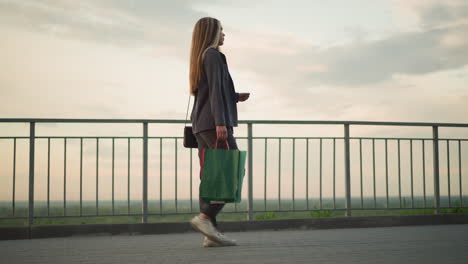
(249, 211)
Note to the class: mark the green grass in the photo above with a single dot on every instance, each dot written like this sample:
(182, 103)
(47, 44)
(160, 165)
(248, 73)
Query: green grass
(269, 211)
(223, 217)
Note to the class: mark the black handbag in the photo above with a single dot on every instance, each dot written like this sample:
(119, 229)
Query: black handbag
(190, 141)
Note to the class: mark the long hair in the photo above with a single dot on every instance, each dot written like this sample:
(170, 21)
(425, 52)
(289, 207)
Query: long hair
(205, 35)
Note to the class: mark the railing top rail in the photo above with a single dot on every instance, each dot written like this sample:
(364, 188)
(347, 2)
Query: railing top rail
(276, 122)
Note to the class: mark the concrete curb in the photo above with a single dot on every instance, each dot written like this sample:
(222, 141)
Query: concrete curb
(48, 231)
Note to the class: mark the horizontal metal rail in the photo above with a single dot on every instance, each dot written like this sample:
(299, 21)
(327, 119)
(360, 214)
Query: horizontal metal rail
(257, 122)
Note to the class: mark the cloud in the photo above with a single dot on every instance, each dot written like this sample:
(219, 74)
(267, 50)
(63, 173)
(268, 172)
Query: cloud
(443, 14)
(318, 84)
(119, 22)
(411, 53)
(313, 68)
(164, 28)
(430, 14)
(358, 64)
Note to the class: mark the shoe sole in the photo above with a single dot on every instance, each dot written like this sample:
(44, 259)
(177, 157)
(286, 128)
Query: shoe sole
(209, 243)
(212, 245)
(218, 245)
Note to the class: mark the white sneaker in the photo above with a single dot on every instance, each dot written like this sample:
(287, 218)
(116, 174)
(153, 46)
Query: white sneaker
(205, 226)
(226, 241)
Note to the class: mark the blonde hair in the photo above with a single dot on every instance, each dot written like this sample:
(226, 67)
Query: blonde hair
(205, 35)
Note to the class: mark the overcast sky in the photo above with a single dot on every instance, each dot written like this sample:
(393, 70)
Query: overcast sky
(366, 60)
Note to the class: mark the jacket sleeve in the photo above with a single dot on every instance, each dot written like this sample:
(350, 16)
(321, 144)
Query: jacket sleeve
(237, 97)
(213, 66)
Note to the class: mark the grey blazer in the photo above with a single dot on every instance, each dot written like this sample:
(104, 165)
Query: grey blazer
(215, 97)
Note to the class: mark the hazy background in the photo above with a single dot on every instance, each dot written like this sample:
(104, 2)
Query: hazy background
(375, 60)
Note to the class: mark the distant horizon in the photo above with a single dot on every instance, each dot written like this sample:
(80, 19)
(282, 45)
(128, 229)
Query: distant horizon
(453, 197)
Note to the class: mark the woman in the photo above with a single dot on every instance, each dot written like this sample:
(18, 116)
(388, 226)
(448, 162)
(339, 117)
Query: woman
(214, 112)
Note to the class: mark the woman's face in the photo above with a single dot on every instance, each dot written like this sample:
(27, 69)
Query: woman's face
(221, 37)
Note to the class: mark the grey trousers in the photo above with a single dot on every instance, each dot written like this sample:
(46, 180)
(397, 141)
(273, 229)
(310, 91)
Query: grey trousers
(207, 139)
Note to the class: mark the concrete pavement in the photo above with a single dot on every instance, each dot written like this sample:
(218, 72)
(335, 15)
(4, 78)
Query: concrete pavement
(443, 244)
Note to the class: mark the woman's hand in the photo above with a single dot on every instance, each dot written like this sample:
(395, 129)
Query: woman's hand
(221, 133)
(243, 96)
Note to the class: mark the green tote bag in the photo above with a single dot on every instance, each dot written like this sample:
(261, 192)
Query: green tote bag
(222, 174)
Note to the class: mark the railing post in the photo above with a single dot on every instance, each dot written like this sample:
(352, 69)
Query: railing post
(250, 156)
(347, 171)
(145, 173)
(435, 137)
(32, 135)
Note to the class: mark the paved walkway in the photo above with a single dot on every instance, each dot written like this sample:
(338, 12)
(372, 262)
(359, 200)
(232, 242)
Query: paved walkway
(442, 244)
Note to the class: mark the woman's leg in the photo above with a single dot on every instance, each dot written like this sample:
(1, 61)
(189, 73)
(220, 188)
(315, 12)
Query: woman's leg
(206, 139)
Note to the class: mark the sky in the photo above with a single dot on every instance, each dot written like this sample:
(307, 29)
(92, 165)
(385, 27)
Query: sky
(379, 60)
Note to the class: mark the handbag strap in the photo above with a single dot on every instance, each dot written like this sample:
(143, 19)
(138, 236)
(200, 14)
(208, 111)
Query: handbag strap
(185, 124)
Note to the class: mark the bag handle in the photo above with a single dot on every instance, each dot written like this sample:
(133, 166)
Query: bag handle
(215, 145)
